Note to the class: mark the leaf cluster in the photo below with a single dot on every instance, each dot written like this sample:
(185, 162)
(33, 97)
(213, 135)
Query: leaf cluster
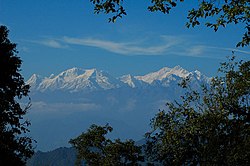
(95, 149)
(113, 7)
(227, 12)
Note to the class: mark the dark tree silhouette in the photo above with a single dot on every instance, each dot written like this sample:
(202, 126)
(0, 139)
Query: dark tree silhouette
(15, 147)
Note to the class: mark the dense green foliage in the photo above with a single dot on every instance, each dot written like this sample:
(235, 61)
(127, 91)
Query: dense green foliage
(216, 13)
(95, 149)
(211, 127)
(15, 147)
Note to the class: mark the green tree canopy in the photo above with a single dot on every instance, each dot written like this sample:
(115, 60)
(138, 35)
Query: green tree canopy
(221, 12)
(94, 148)
(15, 147)
(211, 127)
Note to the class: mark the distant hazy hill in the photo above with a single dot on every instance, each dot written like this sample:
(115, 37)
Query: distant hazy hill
(57, 157)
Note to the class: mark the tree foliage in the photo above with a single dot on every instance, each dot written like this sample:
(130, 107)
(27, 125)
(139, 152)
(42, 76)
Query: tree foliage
(95, 149)
(221, 13)
(15, 147)
(113, 7)
(211, 127)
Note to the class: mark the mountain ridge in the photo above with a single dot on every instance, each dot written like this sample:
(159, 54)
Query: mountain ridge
(78, 79)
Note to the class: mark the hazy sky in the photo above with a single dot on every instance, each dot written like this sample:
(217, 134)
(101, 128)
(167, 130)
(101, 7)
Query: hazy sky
(54, 35)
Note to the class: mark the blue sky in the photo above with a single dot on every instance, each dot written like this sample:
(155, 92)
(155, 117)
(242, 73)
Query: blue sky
(56, 35)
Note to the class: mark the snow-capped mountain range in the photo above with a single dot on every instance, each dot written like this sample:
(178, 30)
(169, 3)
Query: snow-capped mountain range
(66, 104)
(77, 80)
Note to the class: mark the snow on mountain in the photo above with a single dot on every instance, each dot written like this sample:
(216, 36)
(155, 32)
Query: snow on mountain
(59, 81)
(76, 79)
(163, 74)
(132, 81)
(197, 79)
(95, 79)
(34, 81)
(199, 76)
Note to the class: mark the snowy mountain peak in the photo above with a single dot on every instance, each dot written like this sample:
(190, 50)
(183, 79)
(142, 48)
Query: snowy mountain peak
(90, 72)
(179, 71)
(163, 70)
(163, 73)
(77, 79)
(197, 72)
(52, 76)
(34, 80)
(199, 76)
(70, 73)
(128, 79)
(178, 68)
(74, 80)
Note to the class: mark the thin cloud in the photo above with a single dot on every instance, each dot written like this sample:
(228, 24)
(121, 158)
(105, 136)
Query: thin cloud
(163, 45)
(24, 49)
(53, 43)
(233, 49)
(63, 107)
(196, 50)
(166, 45)
(214, 51)
(132, 48)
